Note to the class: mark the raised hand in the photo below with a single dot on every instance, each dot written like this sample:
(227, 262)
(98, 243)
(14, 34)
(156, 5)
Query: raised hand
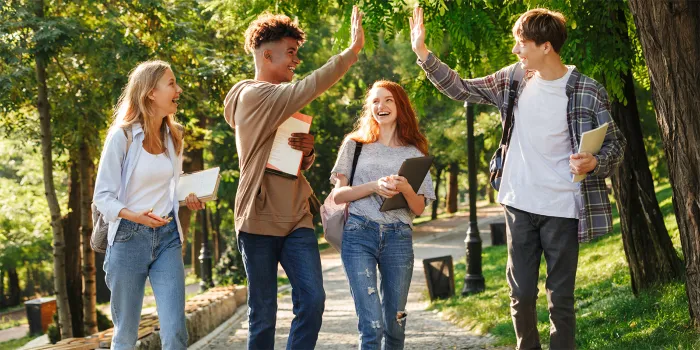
(418, 34)
(357, 34)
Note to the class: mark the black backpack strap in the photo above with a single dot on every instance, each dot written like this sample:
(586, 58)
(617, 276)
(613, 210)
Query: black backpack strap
(516, 76)
(358, 150)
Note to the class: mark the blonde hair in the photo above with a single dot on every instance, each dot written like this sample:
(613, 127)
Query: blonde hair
(134, 106)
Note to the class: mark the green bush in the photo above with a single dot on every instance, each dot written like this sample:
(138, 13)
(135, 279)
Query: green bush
(103, 322)
(53, 331)
(229, 270)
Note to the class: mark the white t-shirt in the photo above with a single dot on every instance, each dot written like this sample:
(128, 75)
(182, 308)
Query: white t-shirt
(536, 177)
(151, 184)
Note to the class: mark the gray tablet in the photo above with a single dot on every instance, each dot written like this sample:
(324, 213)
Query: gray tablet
(414, 170)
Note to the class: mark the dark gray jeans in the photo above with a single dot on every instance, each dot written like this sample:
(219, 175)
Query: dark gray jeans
(529, 235)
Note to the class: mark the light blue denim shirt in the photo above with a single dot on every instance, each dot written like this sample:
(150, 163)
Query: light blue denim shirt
(114, 172)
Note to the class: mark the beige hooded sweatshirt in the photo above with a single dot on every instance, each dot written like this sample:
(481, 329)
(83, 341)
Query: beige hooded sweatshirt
(268, 204)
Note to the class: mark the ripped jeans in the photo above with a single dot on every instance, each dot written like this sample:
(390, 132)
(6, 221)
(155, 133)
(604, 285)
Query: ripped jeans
(381, 306)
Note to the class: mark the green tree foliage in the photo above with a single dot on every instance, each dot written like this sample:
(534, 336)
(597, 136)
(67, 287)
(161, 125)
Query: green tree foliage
(25, 232)
(92, 46)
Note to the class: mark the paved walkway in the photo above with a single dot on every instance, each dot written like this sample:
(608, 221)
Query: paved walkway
(425, 329)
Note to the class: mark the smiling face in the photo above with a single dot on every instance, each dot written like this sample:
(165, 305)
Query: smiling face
(165, 95)
(539, 36)
(280, 59)
(383, 106)
(530, 54)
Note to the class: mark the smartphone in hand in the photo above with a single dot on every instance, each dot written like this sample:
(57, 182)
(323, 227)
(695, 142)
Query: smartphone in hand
(159, 218)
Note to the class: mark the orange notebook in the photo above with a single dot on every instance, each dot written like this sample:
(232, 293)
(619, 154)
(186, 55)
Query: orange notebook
(284, 160)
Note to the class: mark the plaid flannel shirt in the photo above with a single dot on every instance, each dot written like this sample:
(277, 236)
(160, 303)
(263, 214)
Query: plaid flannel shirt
(588, 108)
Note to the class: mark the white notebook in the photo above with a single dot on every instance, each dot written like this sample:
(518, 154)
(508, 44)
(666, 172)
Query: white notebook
(203, 183)
(284, 160)
(591, 142)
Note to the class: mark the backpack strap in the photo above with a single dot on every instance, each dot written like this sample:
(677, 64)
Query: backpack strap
(516, 76)
(358, 150)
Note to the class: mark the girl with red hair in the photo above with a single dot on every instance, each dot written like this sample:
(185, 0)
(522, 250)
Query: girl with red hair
(385, 135)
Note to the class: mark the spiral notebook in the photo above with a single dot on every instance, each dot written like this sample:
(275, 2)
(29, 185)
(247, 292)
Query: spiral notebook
(204, 184)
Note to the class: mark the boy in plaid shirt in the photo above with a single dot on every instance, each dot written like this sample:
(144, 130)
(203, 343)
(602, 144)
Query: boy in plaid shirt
(546, 212)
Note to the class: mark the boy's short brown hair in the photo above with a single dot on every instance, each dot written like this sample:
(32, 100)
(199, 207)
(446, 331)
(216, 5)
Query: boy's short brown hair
(542, 25)
(268, 28)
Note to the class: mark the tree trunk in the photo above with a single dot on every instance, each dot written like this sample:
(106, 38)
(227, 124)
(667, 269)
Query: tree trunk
(3, 302)
(436, 202)
(650, 254)
(29, 283)
(184, 215)
(64, 319)
(214, 239)
(669, 32)
(490, 193)
(87, 170)
(197, 243)
(444, 199)
(220, 243)
(71, 229)
(452, 189)
(194, 162)
(15, 293)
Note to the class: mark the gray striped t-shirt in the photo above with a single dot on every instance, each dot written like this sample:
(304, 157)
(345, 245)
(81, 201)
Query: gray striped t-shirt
(376, 161)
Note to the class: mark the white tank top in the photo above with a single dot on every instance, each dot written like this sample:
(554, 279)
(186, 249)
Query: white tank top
(151, 185)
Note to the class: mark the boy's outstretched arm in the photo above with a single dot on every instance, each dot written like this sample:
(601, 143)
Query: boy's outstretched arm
(291, 98)
(486, 90)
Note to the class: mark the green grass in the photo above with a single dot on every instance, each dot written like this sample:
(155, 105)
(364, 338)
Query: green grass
(11, 308)
(426, 216)
(16, 343)
(6, 323)
(323, 246)
(608, 314)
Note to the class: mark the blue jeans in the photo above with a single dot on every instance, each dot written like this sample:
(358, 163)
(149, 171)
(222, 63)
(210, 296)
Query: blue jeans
(139, 252)
(300, 259)
(381, 311)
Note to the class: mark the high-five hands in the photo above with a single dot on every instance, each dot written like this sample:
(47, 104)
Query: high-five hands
(418, 34)
(357, 34)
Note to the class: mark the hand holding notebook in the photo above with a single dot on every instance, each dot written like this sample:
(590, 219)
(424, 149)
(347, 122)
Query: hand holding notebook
(204, 184)
(591, 142)
(285, 160)
(414, 170)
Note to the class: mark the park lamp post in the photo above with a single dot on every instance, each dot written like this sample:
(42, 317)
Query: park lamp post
(205, 255)
(473, 279)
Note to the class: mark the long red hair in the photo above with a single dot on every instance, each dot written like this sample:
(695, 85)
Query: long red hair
(407, 132)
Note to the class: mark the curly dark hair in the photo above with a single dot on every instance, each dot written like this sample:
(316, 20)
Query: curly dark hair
(268, 28)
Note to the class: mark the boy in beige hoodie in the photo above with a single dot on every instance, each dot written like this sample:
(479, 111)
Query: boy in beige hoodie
(273, 221)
